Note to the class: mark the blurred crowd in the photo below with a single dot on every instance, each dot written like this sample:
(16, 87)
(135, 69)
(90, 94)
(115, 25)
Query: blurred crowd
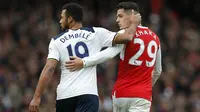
(25, 33)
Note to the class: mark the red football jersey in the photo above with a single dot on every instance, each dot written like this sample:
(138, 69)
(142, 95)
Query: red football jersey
(137, 62)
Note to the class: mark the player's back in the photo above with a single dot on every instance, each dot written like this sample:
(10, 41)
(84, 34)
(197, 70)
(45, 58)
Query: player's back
(137, 62)
(81, 43)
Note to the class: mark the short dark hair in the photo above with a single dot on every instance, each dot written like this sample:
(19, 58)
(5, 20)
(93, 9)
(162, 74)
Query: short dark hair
(128, 6)
(74, 10)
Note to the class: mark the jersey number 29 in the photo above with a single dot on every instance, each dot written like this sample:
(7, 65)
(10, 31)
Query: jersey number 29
(79, 54)
(134, 59)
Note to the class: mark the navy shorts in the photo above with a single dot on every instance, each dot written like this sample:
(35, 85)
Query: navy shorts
(82, 103)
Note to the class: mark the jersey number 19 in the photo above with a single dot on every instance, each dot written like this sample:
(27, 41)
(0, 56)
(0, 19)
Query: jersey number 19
(77, 51)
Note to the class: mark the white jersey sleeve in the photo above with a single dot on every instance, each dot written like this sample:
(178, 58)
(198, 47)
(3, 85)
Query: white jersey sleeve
(53, 51)
(102, 56)
(121, 31)
(106, 36)
(158, 67)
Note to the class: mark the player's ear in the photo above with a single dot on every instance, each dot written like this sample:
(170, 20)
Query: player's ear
(69, 19)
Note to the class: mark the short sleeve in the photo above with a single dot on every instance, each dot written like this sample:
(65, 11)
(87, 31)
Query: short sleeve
(106, 37)
(121, 31)
(53, 51)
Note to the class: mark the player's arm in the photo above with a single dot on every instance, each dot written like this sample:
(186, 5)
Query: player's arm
(127, 36)
(109, 38)
(100, 57)
(45, 76)
(158, 67)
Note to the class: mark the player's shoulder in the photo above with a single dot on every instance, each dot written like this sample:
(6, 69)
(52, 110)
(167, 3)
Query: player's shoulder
(97, 29)
(88, 28)
(60, 35)
(142, 28)
(146, 30)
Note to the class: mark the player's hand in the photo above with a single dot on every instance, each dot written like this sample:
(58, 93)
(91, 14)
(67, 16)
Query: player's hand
(34, 105)
(74, 64)
(136, 18)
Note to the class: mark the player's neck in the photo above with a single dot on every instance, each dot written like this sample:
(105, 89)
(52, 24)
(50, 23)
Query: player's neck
(129, 26)
(76, 26)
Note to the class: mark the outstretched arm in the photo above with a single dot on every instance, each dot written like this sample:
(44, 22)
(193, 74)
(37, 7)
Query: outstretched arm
(78, 63)
(102, 56)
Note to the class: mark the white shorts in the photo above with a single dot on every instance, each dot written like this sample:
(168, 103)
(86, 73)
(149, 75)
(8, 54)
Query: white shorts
(131, 105)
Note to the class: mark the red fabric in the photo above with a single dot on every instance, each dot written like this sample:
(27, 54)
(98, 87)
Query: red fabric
(136, 80)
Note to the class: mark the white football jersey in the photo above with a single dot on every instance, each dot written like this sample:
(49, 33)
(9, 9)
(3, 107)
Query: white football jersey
(82, 43)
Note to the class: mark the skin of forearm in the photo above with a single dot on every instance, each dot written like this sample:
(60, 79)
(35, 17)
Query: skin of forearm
(127, 36)
(45, 77)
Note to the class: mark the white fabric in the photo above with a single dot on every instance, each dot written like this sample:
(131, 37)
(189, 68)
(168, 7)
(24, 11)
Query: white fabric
(78, 43)
(105, 36)
(53, 51)
(131, 105)
(102, 56)
(158, 67)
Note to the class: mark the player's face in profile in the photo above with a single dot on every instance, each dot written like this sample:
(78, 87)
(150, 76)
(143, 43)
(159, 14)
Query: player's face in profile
(123, 19)
(63, 20)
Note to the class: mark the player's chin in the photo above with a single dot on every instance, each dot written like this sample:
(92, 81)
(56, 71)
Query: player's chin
(63, 28)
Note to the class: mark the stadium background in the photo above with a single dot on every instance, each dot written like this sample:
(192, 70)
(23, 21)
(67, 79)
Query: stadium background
(26, 28)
